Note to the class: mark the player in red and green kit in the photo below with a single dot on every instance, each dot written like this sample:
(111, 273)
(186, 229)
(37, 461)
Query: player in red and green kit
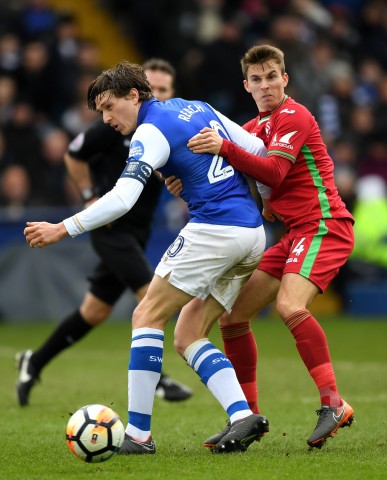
(317, 242)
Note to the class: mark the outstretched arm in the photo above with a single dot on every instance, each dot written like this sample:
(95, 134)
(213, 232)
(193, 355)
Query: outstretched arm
(113, 204)
(108, 208)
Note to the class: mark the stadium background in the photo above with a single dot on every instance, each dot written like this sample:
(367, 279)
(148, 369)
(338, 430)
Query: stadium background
(336, 54)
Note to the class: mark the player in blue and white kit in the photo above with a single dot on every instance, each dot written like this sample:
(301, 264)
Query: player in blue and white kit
(206, 266)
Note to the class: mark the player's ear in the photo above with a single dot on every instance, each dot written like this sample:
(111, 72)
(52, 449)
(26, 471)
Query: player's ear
(286, 79)
(246, 85)
(133, 94)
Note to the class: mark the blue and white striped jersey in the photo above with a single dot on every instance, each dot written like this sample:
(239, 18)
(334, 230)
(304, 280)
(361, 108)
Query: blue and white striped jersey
(214, 191)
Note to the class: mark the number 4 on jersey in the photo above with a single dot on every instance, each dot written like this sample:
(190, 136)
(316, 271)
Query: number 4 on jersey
(299, 248)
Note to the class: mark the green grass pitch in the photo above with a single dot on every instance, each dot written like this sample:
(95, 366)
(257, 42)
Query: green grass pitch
(95, 371)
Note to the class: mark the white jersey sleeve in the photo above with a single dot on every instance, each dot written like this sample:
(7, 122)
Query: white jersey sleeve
(241, 137)
(154, 152)
(248, 142)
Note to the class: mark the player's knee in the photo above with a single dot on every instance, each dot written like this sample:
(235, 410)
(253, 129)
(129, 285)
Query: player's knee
(284, 307)
(179, 346)
(95, 315)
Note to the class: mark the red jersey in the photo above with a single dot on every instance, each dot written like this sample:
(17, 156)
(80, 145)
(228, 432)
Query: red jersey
(308, 192)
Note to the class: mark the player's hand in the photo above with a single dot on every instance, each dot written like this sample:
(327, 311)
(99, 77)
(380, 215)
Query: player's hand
(41, 234)
(207, 141)
(174, 185)
(269, 214)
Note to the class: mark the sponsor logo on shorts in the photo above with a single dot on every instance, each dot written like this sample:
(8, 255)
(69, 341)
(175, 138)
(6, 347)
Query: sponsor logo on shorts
(176, 246)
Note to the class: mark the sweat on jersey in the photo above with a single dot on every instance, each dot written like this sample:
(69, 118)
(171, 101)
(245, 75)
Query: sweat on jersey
(215, 192)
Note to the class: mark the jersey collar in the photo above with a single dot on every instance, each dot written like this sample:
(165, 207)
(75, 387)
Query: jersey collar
(143, 110)
(266, 115)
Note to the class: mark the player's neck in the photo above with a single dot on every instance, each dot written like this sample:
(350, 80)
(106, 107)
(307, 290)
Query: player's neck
(270, 112)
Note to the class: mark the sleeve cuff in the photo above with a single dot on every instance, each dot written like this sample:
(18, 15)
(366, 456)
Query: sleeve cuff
(223, 152)
(73, 226)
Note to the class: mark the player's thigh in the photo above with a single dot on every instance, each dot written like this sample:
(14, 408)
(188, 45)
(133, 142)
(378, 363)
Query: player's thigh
(258, 292)
(161, 302)
(229, 285)
(319, 249)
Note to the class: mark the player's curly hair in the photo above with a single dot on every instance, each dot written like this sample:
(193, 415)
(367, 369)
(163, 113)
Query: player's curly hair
(119, 80)
(259, 54)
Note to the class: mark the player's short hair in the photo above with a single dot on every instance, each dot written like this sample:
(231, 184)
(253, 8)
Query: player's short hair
(259, 54)
(159, 64)
(119, 80)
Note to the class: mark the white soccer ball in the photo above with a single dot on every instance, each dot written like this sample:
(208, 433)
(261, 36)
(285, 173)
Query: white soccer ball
(95, 433)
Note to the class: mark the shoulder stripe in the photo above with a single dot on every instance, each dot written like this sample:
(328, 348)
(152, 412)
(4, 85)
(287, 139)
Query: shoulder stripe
(282, 154)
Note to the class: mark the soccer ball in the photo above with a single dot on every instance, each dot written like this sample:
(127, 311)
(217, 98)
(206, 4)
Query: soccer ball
(95, 433)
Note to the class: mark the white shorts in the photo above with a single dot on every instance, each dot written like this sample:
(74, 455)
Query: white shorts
(213, 260)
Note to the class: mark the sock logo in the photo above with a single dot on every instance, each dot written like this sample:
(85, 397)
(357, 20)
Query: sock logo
(220, 359)
(155, 358)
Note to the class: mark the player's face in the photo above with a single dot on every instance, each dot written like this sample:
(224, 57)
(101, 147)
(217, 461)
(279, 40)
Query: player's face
(266, 84)
(161, 83)
(120, 113)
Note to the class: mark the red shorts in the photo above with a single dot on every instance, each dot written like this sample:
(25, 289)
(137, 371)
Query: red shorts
(315, 251)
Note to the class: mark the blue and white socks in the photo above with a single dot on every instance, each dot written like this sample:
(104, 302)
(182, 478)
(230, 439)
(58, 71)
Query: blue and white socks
(146, 360)
(218, 374)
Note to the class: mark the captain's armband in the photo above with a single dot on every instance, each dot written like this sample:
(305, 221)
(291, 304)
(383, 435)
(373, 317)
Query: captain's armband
(137, 170)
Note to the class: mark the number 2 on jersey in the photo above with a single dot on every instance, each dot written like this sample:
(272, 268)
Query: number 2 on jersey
(217, 172)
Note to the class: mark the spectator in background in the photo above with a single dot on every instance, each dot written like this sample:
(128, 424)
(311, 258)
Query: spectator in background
(380, 108)
(77, 117)
(54, 147)
(64, 53)
(345, 158)
(360, 128)
(34, 79)
(374, 161)
(335, 107)
(367, 84)
(37, 20)
(7, 96)
(373, 31)
(10, 53)
(15, 191)
(5, 158)
(23, 142)
(369, 257)
(226, 96)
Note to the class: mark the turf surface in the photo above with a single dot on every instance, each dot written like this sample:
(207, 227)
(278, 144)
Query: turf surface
(95, 371)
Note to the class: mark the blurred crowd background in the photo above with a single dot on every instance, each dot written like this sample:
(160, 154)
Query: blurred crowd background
(336, 57)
